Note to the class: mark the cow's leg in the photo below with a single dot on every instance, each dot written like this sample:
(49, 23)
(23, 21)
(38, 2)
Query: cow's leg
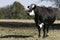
(45, 30)
(39, 26)
(39, 29)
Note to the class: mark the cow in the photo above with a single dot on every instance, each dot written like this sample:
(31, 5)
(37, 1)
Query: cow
(43, 17)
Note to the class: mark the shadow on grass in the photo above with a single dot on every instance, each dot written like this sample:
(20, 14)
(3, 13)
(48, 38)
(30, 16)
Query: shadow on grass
(30, 25)
(16, 36)
(17, 25)
(55, 26)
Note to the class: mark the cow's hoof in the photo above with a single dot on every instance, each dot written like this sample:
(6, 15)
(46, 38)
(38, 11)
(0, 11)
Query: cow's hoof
(45, 36)
(39, 36)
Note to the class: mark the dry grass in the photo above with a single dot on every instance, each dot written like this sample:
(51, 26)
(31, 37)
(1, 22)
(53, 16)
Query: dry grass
(24, 31)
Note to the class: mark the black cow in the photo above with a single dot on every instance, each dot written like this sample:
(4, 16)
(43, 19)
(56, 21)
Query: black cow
(43, 17)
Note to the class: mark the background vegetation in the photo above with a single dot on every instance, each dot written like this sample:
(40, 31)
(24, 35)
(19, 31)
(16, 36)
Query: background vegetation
(14, 11)
(17, 11)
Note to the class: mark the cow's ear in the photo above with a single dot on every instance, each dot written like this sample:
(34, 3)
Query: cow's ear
(33, 6)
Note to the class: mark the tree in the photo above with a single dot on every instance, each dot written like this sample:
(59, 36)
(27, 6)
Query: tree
(57, 2)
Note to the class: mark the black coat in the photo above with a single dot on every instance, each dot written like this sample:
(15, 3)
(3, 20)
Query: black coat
(44, 15)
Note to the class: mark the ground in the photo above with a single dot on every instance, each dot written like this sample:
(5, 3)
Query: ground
(23, 31)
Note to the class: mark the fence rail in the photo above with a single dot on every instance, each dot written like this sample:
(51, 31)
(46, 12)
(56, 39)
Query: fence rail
(23, 21)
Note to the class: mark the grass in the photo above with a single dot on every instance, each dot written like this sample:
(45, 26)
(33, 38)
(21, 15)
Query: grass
(26, 32)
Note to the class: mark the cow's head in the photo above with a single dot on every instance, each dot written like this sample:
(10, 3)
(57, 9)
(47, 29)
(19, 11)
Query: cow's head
(31, 9)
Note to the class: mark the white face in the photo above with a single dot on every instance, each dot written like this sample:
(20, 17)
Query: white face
(31, 13)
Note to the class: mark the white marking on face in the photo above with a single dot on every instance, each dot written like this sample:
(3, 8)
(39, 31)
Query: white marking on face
(41, 25)
(31, 13)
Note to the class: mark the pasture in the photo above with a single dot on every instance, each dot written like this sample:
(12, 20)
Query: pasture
(26, 31)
